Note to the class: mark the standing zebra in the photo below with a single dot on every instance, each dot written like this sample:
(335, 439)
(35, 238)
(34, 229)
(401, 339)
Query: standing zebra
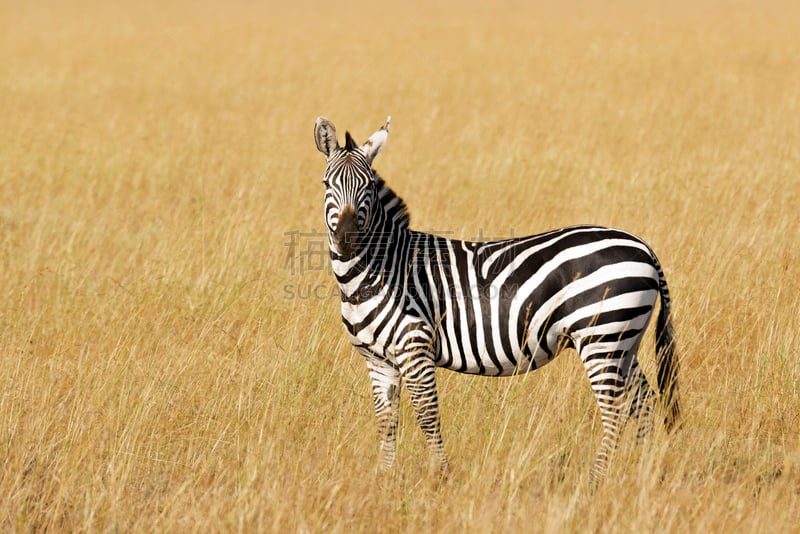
(413, 301)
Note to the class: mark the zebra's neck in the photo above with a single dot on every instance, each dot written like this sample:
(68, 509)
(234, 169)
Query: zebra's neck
(366, 273)
(395, 217)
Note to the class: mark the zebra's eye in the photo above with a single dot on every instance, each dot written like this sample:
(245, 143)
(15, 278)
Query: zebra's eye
(325, 182)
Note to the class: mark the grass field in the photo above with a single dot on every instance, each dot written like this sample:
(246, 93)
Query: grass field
(171, 361)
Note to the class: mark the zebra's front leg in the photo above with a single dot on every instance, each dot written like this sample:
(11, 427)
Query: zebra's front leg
(418, 371)
(385, 394)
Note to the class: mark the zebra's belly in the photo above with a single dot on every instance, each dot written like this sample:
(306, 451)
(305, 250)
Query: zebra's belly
(464, 354)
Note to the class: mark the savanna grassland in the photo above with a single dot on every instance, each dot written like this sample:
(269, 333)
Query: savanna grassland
(171, 357)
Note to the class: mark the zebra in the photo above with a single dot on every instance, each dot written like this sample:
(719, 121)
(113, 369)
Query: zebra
(413, 301)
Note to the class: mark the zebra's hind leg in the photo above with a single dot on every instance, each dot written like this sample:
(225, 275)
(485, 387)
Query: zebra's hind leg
(621, 390)
(640, 401)
(385, 394)
(418, 371)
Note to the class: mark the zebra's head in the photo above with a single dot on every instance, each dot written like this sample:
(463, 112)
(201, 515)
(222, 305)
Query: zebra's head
(351, 192)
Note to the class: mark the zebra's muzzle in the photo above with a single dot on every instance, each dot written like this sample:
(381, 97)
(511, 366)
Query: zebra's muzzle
(347, 235)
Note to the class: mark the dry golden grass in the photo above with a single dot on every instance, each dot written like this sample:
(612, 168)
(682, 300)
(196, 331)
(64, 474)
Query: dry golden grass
(164, 369)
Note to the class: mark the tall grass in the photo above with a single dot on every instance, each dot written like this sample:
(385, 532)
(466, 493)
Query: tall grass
(168, 362)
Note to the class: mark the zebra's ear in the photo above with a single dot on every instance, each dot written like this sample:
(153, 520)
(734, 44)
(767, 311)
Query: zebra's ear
(325, 136)
(376, 141)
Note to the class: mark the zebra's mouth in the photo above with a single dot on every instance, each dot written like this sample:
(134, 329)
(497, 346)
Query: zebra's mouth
(347, 245)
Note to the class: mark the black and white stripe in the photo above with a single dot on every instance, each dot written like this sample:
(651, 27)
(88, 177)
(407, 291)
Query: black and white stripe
(413, 301)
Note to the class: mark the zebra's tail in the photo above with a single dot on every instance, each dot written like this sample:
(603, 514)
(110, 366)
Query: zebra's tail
(668, 365)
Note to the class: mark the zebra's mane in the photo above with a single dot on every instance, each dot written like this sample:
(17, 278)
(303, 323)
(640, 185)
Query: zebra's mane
(394, 206)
